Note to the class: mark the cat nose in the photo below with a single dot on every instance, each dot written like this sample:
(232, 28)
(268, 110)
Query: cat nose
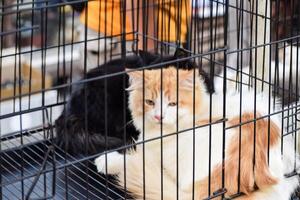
(158, 117)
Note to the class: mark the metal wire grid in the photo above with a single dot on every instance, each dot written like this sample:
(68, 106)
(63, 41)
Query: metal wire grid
(47, 171)
(31, 167)
(63, 176)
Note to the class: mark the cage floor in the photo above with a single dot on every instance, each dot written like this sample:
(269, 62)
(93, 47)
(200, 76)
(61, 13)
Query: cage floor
(74, 181)
(20, 177)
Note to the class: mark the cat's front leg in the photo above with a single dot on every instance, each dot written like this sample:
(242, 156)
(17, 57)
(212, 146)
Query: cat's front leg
(114, 164)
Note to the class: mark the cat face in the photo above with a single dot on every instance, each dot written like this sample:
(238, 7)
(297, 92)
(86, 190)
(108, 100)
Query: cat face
(156, 97)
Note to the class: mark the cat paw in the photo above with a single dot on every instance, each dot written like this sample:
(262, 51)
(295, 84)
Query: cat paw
(112, 164)
(100, 164)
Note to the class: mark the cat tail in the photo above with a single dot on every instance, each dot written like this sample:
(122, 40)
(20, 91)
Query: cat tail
(145, 182)
(71, 136)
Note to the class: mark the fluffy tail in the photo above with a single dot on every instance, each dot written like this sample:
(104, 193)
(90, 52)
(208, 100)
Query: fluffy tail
(147, 182)
(71, 136)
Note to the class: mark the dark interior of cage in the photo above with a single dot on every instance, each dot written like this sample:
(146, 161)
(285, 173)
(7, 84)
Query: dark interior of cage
(34, 167)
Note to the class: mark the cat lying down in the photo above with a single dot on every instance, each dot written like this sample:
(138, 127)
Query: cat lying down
(172, 166)
(96, 116)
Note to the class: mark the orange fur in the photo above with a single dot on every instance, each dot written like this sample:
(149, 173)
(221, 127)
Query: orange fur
(153, 88)
(250, 175)
(260, 176)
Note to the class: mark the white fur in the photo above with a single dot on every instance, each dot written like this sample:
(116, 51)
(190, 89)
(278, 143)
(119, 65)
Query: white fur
(281, 191)
(163, 109)
(288, 71)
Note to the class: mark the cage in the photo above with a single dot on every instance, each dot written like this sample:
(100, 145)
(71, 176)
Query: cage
(64, 67)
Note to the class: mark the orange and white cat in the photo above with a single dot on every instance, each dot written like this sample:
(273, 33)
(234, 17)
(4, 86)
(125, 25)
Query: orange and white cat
(191, 150)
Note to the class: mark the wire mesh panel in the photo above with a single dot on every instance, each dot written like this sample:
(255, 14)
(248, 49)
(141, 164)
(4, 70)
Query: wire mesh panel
(149, 99)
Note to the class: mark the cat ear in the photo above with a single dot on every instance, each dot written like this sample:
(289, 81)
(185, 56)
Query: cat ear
(180, 53)
(183, 64)
(187, 79)
(135, 79)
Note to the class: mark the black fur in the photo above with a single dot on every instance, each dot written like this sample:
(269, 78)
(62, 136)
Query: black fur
(78, 6)
(77, 135)
(150, 58)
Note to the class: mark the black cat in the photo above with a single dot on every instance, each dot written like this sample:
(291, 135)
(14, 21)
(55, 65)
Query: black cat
(96, 116)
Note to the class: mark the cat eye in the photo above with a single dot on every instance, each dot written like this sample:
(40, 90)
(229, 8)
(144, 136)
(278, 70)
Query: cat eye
(172, 104)
(149, 102)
